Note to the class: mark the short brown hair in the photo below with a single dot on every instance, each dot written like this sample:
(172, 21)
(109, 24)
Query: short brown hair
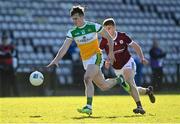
(109, 21)
(77, 9)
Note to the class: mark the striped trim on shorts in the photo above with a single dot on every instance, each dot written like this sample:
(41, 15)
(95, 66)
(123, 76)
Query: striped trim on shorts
(98, 59)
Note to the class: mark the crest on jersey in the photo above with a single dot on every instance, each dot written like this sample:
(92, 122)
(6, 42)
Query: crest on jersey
(121, 41)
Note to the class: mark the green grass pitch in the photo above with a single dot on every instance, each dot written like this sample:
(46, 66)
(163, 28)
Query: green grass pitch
(106, 109)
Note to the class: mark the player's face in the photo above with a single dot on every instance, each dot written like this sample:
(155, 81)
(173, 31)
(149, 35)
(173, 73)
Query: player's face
(111, 29)
(78, 20)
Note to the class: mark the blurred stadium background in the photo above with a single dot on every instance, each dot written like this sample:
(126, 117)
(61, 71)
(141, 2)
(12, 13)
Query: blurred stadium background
(38, 28)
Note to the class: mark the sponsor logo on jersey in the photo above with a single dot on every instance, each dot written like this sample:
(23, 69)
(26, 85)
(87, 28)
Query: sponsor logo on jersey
(89, 30)
(119, 51)
(85, 39)
(77, 33)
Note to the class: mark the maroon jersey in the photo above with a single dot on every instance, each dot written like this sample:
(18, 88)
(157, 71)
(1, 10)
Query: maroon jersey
(121, 52)
(6, 54)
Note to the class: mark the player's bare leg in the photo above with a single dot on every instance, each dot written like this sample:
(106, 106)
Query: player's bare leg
(148, 91)
(93, 72)
(142, 90)
(104, 84)
(129, 78)
(90, 73)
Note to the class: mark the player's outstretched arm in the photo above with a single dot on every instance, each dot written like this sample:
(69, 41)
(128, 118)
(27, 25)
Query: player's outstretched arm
(106, 35)
(62, 51)
(138, 50)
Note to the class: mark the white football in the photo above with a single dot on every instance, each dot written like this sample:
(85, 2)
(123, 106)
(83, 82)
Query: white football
(36, 78)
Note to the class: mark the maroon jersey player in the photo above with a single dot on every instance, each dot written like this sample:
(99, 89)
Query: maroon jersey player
(124, 64)
(121, 43)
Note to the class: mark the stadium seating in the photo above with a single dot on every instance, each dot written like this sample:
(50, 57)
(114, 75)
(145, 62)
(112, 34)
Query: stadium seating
(39, 28)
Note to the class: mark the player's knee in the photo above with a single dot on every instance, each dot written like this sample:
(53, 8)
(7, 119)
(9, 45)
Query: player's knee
(132, 85)
(130, 82)
(87, 79)
(128, 79)
(103, 88)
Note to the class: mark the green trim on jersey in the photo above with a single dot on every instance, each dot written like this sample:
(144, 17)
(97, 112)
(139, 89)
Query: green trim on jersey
(98, 59)
(89, 28)
(100, 29)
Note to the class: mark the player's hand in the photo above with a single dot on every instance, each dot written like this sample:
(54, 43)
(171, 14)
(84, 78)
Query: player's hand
(52, 64)
(107, 64)
(144, 61)
(111, 57)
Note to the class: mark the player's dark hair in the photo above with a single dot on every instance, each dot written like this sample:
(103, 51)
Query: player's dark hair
(77, 9)
(109, 21)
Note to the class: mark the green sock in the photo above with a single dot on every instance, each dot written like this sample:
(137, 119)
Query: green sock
(118, 81)
(125, 85)
(89, 100)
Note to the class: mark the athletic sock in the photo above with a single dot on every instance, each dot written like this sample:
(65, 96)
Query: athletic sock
(119, 80)
(89, 102)
(139, 104)
(147, 91)
(125, 85)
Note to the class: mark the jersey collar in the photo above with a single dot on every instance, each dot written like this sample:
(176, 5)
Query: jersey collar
(115, 35)
(85, 22)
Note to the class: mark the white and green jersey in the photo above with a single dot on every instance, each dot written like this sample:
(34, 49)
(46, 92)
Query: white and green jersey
(86, 39)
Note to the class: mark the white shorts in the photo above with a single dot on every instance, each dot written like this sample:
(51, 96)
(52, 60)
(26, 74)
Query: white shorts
(96, 59)
(130, 64)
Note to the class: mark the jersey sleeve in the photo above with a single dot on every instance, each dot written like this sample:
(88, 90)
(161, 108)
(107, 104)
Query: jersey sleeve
(127, 39)
(98, 27)
(69, 35)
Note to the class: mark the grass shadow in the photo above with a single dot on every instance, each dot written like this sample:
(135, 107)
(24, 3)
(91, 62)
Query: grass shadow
(137, 116)
(112, 117)
(126, 116)
(35, 116)
(85, 117)
(133, 116)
